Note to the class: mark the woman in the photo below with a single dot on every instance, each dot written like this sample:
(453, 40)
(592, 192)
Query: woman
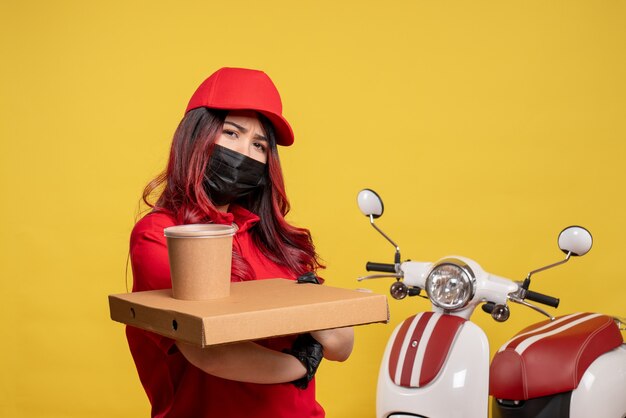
(224, 168)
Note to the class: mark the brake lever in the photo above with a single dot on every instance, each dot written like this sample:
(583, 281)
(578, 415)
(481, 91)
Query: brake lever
(379, 276)
(515, 299)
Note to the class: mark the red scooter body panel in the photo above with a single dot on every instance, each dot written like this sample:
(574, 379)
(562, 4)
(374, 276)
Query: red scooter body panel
(421, 348)
(551, 356)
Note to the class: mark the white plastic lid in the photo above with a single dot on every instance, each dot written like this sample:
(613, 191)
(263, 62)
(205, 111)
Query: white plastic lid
(200, 231)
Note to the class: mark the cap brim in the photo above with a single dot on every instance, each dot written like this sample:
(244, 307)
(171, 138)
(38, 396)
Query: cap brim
(284, 133)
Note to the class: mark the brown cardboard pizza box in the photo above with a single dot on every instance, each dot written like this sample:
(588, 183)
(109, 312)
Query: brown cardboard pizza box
(254, 310)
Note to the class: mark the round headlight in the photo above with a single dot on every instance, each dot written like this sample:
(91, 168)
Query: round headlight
(450, 284)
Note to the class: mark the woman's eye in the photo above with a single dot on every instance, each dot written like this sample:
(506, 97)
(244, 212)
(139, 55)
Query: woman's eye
(229, 133)
(260, 146)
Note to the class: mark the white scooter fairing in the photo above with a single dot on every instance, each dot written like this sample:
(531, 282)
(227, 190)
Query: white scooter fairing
(600, 393)
(436, 345)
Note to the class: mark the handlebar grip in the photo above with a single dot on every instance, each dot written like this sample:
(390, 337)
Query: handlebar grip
(541, 298)
(384, 267)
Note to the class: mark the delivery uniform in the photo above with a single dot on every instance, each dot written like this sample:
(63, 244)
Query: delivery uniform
(174, 386)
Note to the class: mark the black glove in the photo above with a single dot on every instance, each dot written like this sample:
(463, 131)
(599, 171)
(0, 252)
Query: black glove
(309, 277)
(310, 353)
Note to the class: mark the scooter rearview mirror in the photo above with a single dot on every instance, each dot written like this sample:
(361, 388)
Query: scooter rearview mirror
(370, 204)
(575, 240)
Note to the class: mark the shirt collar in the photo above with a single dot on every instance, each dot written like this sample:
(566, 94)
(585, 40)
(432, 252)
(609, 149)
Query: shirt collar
(242, 217)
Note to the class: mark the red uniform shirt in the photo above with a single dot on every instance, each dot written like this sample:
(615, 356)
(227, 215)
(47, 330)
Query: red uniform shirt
(174, 386)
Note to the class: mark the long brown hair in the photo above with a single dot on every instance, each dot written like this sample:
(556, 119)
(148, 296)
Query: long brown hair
(184, 198)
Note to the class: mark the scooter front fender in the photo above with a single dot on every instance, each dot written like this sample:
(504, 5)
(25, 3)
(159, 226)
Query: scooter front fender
(461, 387)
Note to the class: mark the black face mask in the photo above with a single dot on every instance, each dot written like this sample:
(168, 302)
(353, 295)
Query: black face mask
(231, 175)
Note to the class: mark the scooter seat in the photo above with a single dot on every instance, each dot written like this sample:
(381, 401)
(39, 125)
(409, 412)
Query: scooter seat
(551, 356)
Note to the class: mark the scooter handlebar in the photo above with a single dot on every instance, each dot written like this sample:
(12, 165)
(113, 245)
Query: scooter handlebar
(383, 267)
(541, 298)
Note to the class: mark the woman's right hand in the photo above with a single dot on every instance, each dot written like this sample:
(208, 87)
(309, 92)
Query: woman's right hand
(310, 353)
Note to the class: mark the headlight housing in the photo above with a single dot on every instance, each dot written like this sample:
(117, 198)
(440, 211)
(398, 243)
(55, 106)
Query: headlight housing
(451, 284)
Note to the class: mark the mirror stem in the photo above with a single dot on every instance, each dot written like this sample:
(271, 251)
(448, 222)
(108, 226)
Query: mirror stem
(558, 263)
(397, 257)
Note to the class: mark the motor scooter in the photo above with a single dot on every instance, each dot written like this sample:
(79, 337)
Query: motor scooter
(436, 364)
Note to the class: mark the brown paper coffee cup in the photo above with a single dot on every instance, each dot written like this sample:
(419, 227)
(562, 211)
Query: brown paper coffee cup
(200, 259)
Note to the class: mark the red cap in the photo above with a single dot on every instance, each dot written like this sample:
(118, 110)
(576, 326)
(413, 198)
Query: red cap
(239, 89)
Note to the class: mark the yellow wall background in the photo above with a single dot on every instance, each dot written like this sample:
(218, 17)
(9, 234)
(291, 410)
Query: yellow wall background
(486, 126)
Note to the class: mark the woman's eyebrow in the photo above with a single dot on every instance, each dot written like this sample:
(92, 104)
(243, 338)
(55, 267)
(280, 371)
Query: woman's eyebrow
(241, 128)
(244, 130)
(260, 137)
